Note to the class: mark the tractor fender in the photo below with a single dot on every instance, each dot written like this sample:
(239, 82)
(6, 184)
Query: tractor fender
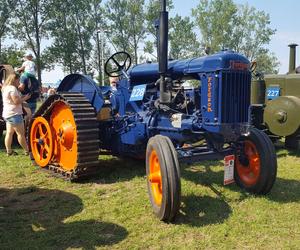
(83, 84)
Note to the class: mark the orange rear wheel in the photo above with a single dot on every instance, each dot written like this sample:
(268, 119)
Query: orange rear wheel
(41, 141)
(65, 134)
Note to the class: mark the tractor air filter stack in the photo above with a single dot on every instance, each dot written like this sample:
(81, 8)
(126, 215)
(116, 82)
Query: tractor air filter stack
(163, 51)
(292, 65)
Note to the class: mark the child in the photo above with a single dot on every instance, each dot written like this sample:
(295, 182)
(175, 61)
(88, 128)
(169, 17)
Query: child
(28, 66)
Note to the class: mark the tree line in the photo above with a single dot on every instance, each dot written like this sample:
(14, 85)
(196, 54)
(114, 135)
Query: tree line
(79, 34)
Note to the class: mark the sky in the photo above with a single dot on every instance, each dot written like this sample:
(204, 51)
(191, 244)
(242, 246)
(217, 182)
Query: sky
(284, 16)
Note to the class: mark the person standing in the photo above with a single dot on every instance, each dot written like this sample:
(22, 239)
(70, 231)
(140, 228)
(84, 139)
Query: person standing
(12, 113)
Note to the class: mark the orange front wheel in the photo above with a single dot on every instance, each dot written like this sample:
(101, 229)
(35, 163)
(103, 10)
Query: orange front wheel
(256, 163)
(163, 177)
(155, 178)
(41, 141)
(249, 168)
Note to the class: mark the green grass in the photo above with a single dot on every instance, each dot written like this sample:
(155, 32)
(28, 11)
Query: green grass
(112, 210)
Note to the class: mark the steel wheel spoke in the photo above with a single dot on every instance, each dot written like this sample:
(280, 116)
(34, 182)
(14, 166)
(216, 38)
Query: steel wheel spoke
(47, 148)
(41, 153)
(40, 130)
(45, 135)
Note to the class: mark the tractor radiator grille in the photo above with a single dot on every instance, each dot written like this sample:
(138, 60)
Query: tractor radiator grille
(236, 86)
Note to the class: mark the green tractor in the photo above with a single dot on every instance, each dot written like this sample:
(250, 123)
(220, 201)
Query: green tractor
(276, 104)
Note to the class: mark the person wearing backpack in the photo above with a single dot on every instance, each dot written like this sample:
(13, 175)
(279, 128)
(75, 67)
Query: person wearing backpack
(28, 82)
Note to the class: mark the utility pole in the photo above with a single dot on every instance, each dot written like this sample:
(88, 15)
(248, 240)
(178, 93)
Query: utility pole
(102, 56)
(100, 48)
(99, 57)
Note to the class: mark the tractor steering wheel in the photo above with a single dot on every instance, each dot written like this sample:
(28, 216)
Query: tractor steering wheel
(117, 64)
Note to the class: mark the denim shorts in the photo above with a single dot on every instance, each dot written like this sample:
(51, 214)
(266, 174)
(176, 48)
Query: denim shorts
(16, 119)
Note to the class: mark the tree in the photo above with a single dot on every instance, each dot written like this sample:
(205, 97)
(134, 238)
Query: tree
(12, 55)
(183, 40)
(80, 11)
(136, 28)
(152, 16)
(267, 62)
(126, 24)
(6, 8)
(116, 11)
(29, 26)
(223, 24)
(215, 20)
(71, 29)
(97, 18)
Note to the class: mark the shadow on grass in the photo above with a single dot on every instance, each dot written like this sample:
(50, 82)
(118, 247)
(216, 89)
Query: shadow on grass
(117, 170)
(199, 211)
(34, 218)
(283, 191)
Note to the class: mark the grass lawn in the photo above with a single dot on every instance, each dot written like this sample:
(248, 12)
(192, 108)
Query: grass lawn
(112, 210)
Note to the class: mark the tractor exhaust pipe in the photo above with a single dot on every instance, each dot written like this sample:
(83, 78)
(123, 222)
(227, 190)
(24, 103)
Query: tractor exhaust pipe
(292, 65)
(163, 51)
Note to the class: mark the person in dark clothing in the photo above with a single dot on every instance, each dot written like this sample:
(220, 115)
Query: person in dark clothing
(26, 87)
(28, 82)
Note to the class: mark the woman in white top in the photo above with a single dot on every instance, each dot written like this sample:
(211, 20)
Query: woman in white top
(12, 113)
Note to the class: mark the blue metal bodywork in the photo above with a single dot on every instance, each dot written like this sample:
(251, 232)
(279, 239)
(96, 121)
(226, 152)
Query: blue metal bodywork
(216, 111)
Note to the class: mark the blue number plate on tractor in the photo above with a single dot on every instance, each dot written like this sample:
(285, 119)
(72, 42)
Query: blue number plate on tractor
(273, 93)
(138, 93)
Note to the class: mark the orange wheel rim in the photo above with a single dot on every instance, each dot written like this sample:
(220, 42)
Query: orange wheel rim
(155, 178)
(65, 133)
(249, 174)
(41, 141)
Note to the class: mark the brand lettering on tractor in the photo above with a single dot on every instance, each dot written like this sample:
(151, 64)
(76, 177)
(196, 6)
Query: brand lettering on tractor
(209, 94)
(239, 65)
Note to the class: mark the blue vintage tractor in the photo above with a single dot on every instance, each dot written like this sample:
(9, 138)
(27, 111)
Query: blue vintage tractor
(150, 115)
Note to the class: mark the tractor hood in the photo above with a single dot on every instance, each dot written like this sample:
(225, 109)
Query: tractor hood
(148, 72)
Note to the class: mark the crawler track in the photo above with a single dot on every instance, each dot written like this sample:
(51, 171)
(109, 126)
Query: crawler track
(86, 134)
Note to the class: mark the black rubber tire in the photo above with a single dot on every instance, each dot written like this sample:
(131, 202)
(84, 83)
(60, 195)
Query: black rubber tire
(170, 172)
(268, 163)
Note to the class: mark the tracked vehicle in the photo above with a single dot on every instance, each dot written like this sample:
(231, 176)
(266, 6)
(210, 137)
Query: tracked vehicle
(151, 116)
